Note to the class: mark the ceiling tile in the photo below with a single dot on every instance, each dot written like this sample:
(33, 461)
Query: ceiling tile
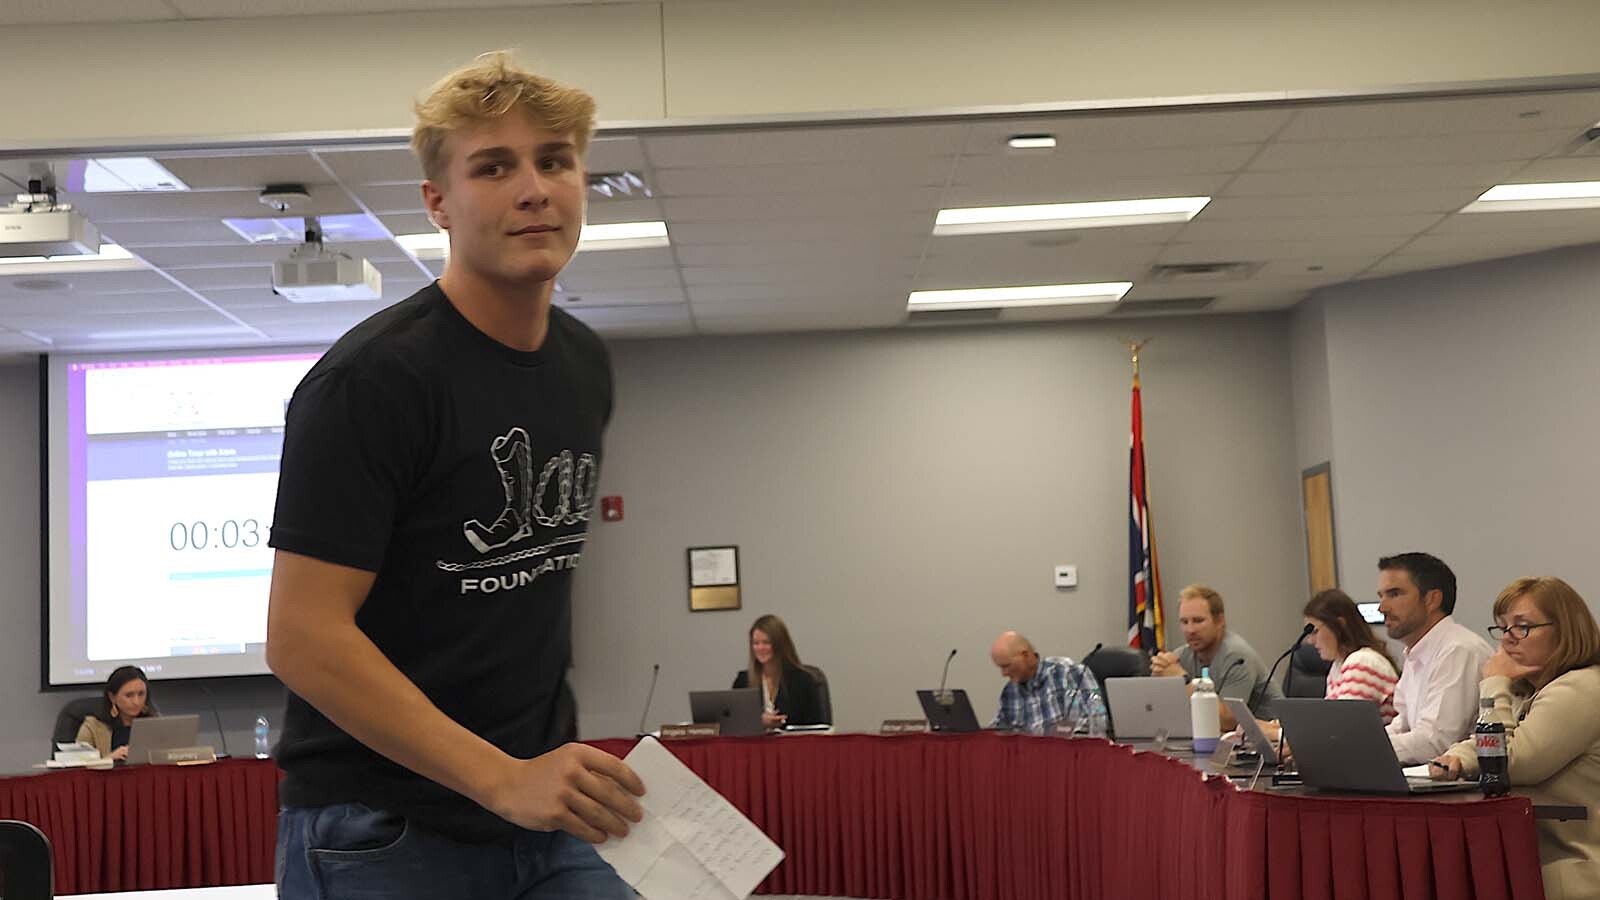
(799, 179)
(1206, 230)
(786, 146)
(374, 166)
(1133, 130)
(665, 295)
(1465, 115)
(978, 189)
(1256, 251)
(1409, 151)
(244, 171)
(108, 209)
(804, 205)
(1368, 180)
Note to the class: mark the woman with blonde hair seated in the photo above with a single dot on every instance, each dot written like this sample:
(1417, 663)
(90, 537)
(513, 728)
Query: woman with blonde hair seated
(1545, 684)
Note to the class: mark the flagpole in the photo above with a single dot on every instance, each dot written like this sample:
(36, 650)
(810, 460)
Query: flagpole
(1153, 595)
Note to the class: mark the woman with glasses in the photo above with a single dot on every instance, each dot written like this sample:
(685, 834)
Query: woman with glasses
(1545, 683)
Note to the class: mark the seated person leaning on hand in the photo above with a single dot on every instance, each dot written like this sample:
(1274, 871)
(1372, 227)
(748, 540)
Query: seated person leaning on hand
(789, 693)
(127, 697)
(1545, 683)
(1236, 670)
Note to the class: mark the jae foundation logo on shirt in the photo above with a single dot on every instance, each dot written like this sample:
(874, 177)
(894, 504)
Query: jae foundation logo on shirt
(562, 495)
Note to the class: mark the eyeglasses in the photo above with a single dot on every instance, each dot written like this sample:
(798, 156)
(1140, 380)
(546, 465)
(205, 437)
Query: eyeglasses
(1519, 632)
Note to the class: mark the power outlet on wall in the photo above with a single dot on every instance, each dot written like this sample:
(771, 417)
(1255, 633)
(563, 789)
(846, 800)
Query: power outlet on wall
(1066, 577)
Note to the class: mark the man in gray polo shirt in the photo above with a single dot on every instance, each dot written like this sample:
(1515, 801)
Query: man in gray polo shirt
(1236, 670)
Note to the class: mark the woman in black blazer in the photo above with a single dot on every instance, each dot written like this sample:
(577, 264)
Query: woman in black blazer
(789, 691)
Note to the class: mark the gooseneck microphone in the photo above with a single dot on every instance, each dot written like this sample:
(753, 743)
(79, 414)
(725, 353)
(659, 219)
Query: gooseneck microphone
(655, 672)
(940, 695)
(1097, 646)
(216, 717)
(1304, 633)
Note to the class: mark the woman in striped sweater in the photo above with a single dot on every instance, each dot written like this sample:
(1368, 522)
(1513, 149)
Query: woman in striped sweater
(1362, 668)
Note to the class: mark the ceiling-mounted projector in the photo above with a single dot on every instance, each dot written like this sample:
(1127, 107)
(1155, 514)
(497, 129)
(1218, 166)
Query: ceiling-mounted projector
(36, 225)
(314, 274)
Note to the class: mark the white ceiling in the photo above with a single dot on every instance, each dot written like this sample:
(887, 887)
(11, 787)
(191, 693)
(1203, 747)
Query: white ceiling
(800, 228)
(77, 12)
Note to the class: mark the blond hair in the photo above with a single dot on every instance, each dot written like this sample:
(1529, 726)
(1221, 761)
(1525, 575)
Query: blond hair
(1577, 635)
(489, 89)
(1211, 597)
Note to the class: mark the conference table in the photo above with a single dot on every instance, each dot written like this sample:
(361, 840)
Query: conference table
(982, 816)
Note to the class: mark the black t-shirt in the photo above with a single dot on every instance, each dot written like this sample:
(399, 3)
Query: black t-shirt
(462, 472)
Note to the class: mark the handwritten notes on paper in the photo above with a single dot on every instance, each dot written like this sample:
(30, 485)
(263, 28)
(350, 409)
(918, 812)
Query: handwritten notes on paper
(692, 844)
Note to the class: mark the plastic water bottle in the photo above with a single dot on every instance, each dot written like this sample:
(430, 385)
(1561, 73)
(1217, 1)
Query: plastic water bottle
(1203, 714)
(263, 738)
(1489, 738)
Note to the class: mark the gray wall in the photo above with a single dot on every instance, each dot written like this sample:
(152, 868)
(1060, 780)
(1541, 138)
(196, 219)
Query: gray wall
(893, 495)
(1465, 422)
(897, 494)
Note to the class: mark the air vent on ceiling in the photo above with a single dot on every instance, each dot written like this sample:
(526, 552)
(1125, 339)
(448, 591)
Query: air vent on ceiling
(952, 316)
(1204, 271)
(1173, 306)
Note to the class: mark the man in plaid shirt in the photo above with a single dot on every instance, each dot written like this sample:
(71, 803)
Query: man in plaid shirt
(1043, 692)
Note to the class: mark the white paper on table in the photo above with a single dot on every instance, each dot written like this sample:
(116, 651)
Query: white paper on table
(692, 843)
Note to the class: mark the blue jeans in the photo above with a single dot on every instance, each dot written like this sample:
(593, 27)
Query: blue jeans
(349, 851)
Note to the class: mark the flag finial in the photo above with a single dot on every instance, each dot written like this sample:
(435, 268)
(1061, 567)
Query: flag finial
(1134, 346)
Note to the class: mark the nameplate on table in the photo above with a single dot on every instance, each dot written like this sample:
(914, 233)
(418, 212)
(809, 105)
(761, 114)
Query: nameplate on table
(679, 732)
(183, 756)
(903, 726)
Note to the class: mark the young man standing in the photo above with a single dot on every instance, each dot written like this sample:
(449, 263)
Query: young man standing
(439, 466)
(1436, 700)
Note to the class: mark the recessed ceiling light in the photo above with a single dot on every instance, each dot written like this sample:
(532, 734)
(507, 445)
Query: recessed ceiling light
(1032, 142)
(1057, 216)
(1028, 295)
(119, 175)
(1540, 196)
(614, 236)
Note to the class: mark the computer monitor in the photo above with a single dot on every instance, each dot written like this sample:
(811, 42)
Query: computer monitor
(1144, 707)
(948, 711)
(153, 733)
(738, 711)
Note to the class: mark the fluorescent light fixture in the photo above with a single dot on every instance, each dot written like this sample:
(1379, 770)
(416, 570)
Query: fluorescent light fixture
(624, 236)
(616, 236)
(428, 243)
(111, 258)
(1541, 196)
(142, 335)
(1031, 295)
(1032, 142)
(120, 175)
(1060, 216)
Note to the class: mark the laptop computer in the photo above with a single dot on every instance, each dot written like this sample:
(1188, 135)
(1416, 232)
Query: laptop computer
(1142, 707)
(948, 711)
(160, 733)
(1253, 735)
(1341, 745)
(737, 711)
